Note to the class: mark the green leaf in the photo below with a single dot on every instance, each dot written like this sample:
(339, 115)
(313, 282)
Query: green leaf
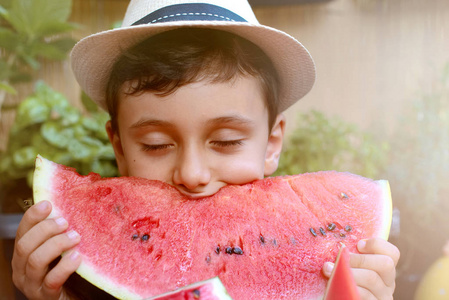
(30, 60)
(56, 28)
(9, 40)
(25, 157)
(106, 152)
(32, 17)
(55, 135)
(4, 9)
(81, 151)
(5, 164)
(5, 4)
(88, 103)
(47, 50)
(8, 88)
(31, 111)
(64, 44)
(104, 168)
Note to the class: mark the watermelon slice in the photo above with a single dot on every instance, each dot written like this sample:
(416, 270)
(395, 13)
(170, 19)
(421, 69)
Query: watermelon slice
(265, 240)
(342, 285)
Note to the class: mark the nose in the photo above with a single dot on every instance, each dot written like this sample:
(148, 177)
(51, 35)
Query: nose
(191, 172)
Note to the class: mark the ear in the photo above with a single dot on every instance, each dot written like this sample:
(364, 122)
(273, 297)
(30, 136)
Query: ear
(274, 146)
(114, 138)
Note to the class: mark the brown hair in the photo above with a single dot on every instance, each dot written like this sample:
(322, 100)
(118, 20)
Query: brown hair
(172, 59)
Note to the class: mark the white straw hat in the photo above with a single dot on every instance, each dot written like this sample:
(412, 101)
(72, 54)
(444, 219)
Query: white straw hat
(94, 56)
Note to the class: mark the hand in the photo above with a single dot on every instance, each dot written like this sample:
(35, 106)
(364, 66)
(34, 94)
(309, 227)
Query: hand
(39, 241)
(374, 269)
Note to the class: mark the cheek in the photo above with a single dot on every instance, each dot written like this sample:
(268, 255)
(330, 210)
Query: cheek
(243, 170)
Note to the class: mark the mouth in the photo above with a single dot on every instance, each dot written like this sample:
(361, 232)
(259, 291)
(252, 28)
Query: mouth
(195, 195)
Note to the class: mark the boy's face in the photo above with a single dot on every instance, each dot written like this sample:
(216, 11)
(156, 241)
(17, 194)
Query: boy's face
(200, 138)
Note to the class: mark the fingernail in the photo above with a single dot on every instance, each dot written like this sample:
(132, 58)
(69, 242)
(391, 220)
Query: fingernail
(61, 221)
(329, 267)
(361, 244)
(42, 206)
(73, 235)
(74, 255)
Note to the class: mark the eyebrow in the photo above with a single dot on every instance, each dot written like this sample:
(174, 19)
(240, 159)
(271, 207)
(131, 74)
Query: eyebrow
(151, 122)
(231, 120)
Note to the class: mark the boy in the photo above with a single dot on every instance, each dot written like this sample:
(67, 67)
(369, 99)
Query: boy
(196, 94)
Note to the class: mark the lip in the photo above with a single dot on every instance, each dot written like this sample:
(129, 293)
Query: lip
(195, 195)
(199, 193)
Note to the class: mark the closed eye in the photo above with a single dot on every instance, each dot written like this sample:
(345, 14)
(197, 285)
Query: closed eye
(156, 147)
(227, 143)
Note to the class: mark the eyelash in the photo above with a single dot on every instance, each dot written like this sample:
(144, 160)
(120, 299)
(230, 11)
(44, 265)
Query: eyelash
(155, 147)
(215, 143)
(227, 143)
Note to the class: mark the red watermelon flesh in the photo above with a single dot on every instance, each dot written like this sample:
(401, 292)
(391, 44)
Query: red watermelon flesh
(341, 285)
(265, 240)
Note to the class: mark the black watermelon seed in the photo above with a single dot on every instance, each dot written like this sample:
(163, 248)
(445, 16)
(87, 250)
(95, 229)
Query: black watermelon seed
(228, 250)
(344, 196)
(237, 250)
(331, 226)
(135, 236)
(217, 250)
(322, 231)
(348, 228)
(312, 231)
(145, 237)
(262, 239)
(196, 293)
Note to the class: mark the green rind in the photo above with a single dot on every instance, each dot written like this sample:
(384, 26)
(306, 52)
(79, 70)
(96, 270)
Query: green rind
(102, 282)
(388, 206)
(218, 289)
(43, 174)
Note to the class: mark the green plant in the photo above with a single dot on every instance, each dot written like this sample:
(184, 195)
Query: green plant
(47, 124)
(30, 31)
(321, 143)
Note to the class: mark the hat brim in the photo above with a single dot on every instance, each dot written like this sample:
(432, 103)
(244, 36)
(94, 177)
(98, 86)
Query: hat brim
(93, 57)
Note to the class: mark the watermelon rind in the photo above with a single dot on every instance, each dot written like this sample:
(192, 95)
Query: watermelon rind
(388, 206)
(42, 188)
(218, 290)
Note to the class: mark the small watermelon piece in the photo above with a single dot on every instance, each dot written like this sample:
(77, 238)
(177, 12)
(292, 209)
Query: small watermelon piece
(211, 289)
(342, 285)
(267, 239)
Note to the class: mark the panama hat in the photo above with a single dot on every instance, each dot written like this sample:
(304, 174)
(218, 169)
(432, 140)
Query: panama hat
(93, 57)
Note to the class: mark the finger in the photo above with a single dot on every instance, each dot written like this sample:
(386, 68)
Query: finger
(383, 265)
(61, 272)
(39, 260)
(379, 246)
(365, 294)
(32, 216)
(29, 242)
(369, 282)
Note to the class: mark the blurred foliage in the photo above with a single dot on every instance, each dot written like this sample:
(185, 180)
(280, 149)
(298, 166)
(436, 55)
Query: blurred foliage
(48, 125)
(30, 31)
(418, 173)
(321, 143)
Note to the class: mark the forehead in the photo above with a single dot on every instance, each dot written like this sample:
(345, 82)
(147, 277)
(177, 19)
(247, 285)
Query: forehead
(239, 99)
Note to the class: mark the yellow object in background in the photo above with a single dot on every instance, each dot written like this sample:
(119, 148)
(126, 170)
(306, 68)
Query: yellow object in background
(435, 283)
